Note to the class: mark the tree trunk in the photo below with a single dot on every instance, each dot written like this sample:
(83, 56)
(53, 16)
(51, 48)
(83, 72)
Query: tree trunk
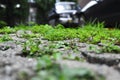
(9, 13)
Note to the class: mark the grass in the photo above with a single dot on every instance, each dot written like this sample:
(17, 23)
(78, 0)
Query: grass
(92, 34)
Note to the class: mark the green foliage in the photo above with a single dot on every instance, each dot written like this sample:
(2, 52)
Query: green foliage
(2, 24)
(110, 48)
(89, 34)
(5, 37)
(43, 7)
(46, 4)
(31, 48)
(7, 30)
(13, 15)
(59, 26)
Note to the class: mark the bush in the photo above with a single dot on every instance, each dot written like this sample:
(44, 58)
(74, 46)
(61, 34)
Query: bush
(3, 24)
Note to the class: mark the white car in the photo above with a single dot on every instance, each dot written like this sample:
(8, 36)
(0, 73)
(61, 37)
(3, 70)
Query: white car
(64, 13)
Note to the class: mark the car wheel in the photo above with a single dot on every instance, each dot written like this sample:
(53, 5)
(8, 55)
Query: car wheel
(82, 20)
(53, 22)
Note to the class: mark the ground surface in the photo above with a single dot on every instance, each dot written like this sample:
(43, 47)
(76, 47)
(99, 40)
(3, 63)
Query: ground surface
(14, 66)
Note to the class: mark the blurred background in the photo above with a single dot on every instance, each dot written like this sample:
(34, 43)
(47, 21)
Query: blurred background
(15, 12)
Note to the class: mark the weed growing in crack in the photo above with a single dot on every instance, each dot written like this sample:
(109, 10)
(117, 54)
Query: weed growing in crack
(31, 47)
(110, 48)
(5, 38)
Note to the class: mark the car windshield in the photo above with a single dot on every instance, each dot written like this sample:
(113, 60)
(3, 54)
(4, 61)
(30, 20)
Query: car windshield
(65, 6)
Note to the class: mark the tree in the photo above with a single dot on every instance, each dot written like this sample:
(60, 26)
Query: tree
(43, 6)
(13, 11)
